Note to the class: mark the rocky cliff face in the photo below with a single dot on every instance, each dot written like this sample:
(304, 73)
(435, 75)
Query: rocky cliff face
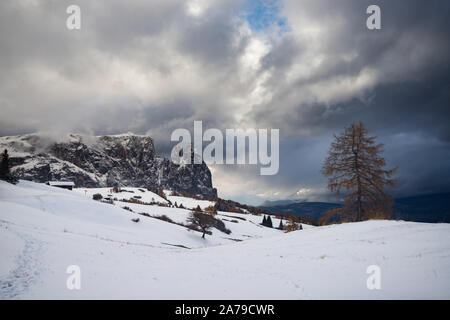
(104, 161)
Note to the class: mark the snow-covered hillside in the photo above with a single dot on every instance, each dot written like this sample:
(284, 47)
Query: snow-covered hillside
(43, 230)
(242, 226)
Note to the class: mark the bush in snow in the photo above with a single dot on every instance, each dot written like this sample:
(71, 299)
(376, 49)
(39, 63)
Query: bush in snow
(219, 225)
(97, 196)
(164, 218)
(293, 224)
(161, 193)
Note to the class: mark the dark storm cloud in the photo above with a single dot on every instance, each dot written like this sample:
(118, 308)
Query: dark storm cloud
(410, 50)
(396, 80)
(154, 66)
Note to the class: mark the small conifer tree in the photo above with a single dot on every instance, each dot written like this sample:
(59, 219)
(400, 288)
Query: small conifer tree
(4, 166)
(281, 227)
(5, 173)
(269, 222)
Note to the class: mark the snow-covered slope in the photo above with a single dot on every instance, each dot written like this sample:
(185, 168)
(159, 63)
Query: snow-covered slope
(189, 203)
(57, 210)
(242, 226)
(125, 194)
(43, 230)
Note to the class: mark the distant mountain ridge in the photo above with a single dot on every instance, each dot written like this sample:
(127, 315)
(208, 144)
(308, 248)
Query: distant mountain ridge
(422, 208)
(272, 203)
(302, 209)
(103, 161)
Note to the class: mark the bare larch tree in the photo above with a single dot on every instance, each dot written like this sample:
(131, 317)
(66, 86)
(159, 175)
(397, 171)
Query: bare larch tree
(201, 220)
(355, 164)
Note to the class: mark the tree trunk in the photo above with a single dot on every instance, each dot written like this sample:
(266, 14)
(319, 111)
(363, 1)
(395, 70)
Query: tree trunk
(358, 174)
(358, 217)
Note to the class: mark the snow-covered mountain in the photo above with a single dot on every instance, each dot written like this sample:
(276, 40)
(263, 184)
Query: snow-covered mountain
(102, 161)
(44, 230)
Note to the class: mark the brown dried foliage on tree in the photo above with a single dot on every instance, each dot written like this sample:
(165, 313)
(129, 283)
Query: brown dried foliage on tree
(201, 220)
(211, 210)
(355, 165)
(292, 223)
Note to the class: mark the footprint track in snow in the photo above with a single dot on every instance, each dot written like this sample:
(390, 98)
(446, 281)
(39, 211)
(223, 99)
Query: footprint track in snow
(26, 272)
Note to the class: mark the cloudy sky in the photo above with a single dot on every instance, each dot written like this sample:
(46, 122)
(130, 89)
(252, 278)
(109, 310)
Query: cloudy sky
(306, 67)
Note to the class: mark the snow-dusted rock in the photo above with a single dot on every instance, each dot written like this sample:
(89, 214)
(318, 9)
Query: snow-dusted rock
(103, 161)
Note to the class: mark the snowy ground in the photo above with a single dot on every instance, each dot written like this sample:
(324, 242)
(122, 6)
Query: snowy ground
(126, 193)
(44, 229)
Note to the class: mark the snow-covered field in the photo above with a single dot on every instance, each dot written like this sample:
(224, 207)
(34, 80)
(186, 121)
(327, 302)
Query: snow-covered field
(127, 194)
(43, 230)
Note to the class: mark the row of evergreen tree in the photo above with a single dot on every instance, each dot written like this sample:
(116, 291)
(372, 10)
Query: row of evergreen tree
(292, 223)
(267, 222)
